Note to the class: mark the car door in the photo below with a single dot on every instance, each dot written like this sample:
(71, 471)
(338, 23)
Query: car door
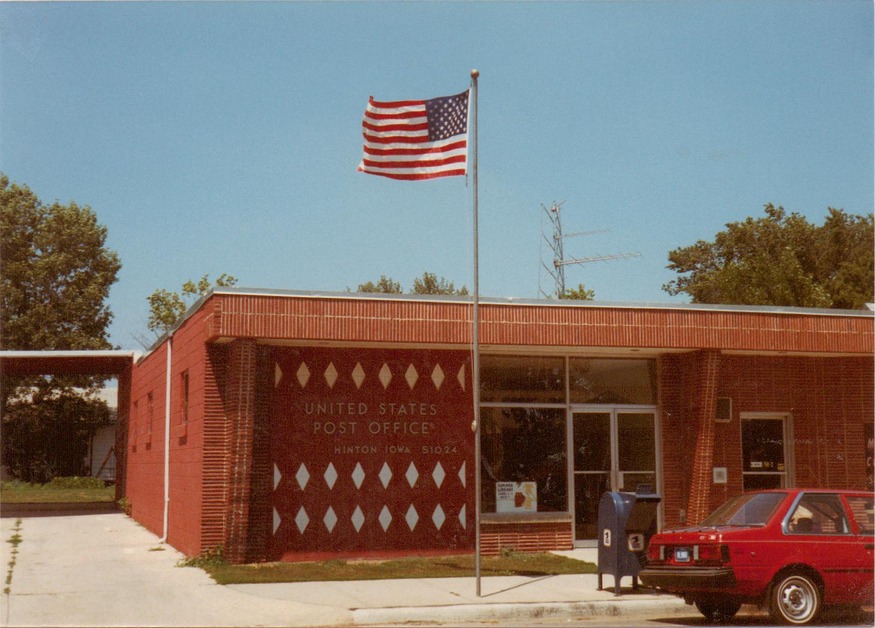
(820, 535)
(861, 507)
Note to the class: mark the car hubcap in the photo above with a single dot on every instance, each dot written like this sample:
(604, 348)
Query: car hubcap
(797, 600)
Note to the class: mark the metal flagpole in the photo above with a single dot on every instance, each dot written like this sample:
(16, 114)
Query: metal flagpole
(475, 336)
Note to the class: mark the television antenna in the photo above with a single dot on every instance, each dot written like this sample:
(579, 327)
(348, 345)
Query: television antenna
(556, 243)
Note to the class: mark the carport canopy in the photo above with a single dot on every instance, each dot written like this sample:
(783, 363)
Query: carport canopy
(106, 362)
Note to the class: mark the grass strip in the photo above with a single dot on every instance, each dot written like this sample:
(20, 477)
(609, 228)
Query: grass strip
(520, 564)
(60, 490)
(40, 495)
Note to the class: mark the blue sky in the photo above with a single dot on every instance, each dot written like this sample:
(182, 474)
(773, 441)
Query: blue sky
(224, 137)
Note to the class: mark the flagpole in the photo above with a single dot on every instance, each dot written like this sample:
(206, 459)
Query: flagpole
(475, 336)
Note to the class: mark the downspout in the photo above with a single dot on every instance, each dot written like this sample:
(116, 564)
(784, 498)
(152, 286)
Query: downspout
(167, 439)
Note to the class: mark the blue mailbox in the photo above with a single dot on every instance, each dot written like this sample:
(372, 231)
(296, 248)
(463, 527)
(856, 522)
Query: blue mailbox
(626, 523)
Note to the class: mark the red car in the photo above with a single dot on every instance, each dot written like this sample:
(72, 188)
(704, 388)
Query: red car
(792, 550)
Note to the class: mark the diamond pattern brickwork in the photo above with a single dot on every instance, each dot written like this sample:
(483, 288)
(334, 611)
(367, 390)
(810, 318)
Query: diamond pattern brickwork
(387, 435)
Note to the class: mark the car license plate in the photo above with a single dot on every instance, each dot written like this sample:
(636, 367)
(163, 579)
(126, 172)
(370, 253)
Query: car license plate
(682, 555)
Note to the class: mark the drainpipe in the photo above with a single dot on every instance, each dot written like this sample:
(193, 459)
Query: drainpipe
(167, 439)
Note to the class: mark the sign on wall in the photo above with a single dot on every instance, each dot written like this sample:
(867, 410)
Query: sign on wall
(372, 451)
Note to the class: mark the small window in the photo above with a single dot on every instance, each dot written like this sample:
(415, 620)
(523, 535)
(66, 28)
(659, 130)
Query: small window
(864, 512)
(817, 513)
(184, 394)
(150, 411)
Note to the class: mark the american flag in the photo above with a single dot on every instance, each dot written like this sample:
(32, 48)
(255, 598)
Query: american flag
(416, 139)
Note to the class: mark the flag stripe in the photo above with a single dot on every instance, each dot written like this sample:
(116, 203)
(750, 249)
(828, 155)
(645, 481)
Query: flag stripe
(416, 139)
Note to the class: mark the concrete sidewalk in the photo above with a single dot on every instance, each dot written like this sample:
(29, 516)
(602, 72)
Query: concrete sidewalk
(106, 570)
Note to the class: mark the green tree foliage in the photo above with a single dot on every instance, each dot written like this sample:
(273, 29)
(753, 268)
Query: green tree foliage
(781, 259)
(385, 286)
(55, 276)
(432, 284)
(429, 283)
(167, 308)
(580, 293)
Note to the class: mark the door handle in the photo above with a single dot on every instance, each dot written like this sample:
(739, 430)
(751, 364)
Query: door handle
(869, 546)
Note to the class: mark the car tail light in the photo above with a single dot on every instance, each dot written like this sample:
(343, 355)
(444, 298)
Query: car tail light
(655, 552)
(711, 554)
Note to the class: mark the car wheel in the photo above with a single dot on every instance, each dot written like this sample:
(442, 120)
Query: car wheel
(795, 600)
(718, 611)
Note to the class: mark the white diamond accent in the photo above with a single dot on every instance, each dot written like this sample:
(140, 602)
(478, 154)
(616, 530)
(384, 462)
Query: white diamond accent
(461, 377)
(411, 376)
(330, 519)
(303, 374)
(358, 475)
(277, 375)
(330, 476)
(412, 475)
(437, 376)
(438, 475)
(438, 517)
(385, 475)
(302, 476)
(462, 474)
(385, 375)
(301, 519)
(412, 517)
(276, 520)
(385, 518)
(462, 517)
(358, 375)
(358, 518)
(277, 476)
(331, 375)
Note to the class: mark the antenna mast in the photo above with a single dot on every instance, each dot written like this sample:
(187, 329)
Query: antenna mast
(556, 244)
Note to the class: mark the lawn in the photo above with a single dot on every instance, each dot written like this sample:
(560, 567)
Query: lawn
(58, 491)
(524, 564)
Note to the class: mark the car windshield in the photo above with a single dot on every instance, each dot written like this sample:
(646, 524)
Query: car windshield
(753, 509)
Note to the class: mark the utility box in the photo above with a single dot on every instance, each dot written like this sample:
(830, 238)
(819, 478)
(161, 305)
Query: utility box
(626, 523)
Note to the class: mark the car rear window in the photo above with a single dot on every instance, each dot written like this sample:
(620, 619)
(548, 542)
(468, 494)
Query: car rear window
(818, 513)
(751, 509)
(864, 512)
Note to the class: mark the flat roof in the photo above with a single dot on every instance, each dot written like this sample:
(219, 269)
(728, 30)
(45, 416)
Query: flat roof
(455, 298)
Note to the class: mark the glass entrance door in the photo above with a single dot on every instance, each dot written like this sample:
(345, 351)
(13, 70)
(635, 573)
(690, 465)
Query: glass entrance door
(614, 450)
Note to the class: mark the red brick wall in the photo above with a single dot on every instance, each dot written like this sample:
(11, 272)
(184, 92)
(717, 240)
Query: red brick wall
(372, 451)
(356, 319)
(145, 465)
(830, 400)
(525, 537)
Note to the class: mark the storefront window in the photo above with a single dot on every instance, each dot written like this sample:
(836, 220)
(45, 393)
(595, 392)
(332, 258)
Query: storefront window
(522, 379)
(617, 381)
(524, 460)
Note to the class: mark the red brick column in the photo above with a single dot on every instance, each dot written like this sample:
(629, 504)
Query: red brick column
(707, 370)
(240, 414)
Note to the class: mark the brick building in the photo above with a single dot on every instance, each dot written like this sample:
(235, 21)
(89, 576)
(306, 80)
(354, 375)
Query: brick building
(306, 425)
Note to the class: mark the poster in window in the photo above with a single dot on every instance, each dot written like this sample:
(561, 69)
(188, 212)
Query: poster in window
(516, 497)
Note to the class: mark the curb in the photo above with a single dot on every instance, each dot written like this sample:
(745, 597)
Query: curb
(469, 613)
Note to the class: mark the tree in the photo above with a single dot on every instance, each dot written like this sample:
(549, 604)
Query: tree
(579, 294)
(385, 286)
(55, 276)
(167, 308)
(780, 259)
(431, 284)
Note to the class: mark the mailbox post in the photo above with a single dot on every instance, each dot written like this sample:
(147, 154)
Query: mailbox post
(626, 523)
